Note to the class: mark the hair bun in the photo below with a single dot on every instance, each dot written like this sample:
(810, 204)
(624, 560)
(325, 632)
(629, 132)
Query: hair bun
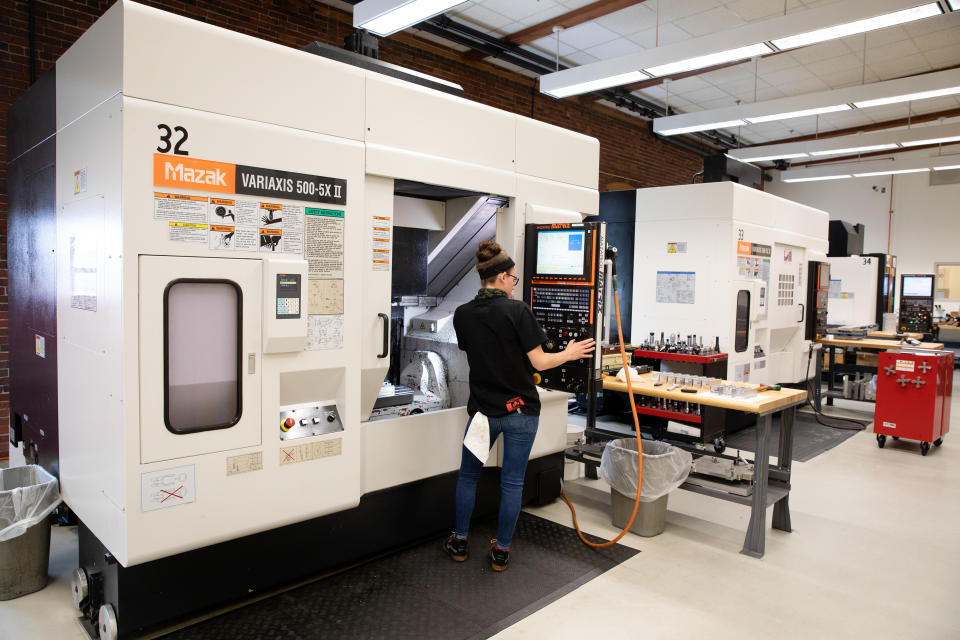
(487, 250)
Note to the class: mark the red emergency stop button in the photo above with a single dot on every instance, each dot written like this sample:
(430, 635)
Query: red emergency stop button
(288, 424)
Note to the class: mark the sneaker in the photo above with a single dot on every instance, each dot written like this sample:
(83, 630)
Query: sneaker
(455, 548)
(499, 558)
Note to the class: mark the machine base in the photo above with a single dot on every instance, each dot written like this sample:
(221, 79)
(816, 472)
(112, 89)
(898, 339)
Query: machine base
(164, 591)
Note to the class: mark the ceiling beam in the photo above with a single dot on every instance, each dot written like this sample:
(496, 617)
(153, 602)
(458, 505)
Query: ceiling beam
(570, 19)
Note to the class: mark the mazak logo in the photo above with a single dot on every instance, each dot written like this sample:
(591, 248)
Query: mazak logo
(193, 173)
(560, 225)
(180, 173)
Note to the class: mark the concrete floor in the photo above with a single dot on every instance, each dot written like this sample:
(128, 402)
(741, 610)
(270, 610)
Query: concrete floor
(871, 556)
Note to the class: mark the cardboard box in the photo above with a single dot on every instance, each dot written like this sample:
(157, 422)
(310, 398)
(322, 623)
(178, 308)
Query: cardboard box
(837, 358)
(868, 358)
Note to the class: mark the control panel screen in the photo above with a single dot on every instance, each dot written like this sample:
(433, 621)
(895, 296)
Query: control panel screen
(288, 295)
(917, 286)
(560, 252)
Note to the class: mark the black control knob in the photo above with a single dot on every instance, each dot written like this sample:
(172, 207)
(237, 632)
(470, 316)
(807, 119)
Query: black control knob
(331, 417)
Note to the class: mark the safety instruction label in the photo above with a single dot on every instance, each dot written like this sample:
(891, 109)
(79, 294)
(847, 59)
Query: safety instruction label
(168, 488)
(676, 247)
(244, 463)
(905, 365)
(180, 207)
(324, 246)
(324, 332)
(188, 231)
(676, 287)
(382, 228)
(311, 451)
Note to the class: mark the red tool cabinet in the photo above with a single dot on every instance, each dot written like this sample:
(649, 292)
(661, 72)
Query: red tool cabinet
(914, 388)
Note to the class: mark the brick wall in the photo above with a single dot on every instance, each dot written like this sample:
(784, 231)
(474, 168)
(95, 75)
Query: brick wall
(629, 155)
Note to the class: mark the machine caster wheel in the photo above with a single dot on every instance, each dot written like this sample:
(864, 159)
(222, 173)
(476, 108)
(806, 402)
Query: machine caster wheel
(108, 623)
(79, 586)
(938, 442)
(719, 445)
(924, 448)
(881, 440)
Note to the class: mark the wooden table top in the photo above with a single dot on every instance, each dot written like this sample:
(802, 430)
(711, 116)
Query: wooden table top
(763, 402)
(893, 334)
(877, 343)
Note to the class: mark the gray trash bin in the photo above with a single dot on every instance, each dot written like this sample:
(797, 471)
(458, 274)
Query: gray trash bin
(665, 468)
(27, 497)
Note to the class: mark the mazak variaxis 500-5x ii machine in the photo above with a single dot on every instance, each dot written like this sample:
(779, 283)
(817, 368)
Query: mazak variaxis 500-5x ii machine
(201, 290)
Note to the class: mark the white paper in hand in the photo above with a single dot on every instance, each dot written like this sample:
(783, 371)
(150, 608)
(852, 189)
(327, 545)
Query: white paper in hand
(477, 440)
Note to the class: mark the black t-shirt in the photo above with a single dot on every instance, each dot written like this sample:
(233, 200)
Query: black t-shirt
(497, 333)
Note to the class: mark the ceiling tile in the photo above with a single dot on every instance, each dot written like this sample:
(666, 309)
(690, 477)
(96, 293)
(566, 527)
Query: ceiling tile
(686, 85)
(820, 51)
(701, 24)
(900, 67)
(633, 19)
(579, 58)
(768, 92)
(841, 63)
(944, 56)
(777, 62)
(939, 39)
(484, 18)
(673, 11)
(521, 9)
(701, 96)
(807, 85)
(751, 10)
(575, 4)
(669, 33)
(787, 77)
(586, 35)
(613, 48)
(547, 46)
(927, 26)
(900, 49)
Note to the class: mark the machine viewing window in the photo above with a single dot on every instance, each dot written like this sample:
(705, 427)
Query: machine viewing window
(202, 328)
(741, 335)
(560, 252)
(918, 286)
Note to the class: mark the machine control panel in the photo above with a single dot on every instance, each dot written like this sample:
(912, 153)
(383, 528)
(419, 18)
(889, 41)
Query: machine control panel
(288, 296)
(916, 303)
(311, 419)
(563, 285)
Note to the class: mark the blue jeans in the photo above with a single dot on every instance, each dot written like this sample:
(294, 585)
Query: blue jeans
(518, 434)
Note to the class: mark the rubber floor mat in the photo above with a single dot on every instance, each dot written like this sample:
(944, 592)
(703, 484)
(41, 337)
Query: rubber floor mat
(420, 593)
(810, 438)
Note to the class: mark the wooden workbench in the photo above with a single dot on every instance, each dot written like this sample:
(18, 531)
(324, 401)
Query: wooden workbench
(893, 334)
(763, 402)
(771, 485)
(831, 343)
(876, 344)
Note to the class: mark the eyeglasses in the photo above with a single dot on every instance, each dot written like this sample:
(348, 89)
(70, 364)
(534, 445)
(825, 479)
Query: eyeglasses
(516, 280)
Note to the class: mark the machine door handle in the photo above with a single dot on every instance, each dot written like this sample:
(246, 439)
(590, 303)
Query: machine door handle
(803, 311)
(386, 334)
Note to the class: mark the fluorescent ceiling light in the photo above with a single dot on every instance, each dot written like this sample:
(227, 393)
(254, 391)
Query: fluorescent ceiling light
(870, 168)
(920, 95)
(599, 83)
(848, 150)
(838, 176)
(778, 156)
(890, 172)
(709, 60)
(947, 168)
(819, 102)
(731, 45)
(702, 127)
(918, 143)
(856, 143)
(798, 114)
(384, 17)
(858, 26)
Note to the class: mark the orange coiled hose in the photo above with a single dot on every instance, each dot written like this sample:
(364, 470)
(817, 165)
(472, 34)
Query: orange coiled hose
(636, 426)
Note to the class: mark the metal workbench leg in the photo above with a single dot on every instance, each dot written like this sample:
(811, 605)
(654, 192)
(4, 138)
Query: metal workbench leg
(753, 544)
(831, 379)
(781, 510)
(818, 384)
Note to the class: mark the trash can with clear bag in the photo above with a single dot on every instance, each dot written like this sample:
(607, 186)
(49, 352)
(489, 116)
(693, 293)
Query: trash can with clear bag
(28, 495)
(665, 468)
